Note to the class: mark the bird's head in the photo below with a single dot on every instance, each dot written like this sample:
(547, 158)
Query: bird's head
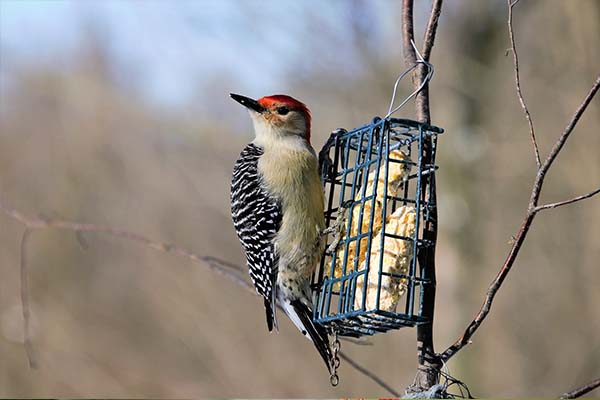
(277, 116)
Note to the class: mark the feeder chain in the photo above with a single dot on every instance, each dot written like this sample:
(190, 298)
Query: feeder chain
(334, 378)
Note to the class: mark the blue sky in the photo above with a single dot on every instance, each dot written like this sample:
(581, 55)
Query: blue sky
(168, 49)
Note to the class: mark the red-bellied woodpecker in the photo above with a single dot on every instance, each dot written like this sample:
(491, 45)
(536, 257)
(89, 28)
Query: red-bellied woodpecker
(277, 210)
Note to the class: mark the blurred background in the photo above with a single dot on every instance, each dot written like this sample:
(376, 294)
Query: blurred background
(117, 113)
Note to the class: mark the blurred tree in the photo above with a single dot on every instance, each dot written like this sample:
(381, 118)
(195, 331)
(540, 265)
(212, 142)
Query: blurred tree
(81, 138)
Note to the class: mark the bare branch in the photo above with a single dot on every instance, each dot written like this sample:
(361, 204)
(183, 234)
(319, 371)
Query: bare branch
(430, 31)
(33, 223)
(570, 201)
(511, 34)
(408, 33)
(428, 361)
(580, 391)
(224, 268)
(526, 224)
(492, 290)
(369, 374)
(539, 180)
(25, 300)
(422, 99)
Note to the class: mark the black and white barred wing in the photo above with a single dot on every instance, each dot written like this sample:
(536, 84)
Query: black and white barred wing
(256, 218)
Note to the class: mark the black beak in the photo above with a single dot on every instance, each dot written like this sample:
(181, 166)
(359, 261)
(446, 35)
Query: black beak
(248, 102)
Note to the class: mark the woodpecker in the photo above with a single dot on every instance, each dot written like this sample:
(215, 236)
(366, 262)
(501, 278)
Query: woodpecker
(277, 211)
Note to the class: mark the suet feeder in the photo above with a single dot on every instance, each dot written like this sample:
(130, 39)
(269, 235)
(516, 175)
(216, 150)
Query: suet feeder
(369, 280)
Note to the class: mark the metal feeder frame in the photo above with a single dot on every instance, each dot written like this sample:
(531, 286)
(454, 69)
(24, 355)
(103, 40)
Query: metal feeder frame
(346, 161)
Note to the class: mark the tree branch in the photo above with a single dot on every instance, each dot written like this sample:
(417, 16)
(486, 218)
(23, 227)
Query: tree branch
(541, 175)
(526, 224)
(408, 32)
(492, 290)
(410, 57)
(570, 201)
(25, 300)
(428, 362)
(431, 30)
(369, 374)
(224, 268)
(580, 391)
(511, 34)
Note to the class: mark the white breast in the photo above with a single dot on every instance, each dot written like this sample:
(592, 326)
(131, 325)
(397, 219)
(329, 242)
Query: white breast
(290, 171)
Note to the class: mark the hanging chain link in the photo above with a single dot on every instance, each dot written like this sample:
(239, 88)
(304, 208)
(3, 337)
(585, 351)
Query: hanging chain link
(337, 345)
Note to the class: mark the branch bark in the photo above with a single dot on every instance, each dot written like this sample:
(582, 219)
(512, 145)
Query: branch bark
(428, 362)
(558, 145)
(580, 391)
(511, 35)
(566, 202)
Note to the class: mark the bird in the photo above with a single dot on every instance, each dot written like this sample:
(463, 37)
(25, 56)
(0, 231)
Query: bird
(277, 210)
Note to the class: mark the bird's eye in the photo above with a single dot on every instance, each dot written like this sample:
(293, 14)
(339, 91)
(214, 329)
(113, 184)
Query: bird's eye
(283, 110)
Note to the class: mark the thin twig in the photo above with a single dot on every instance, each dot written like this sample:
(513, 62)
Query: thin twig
(580, 391)
(525, 225)
(33, 223)
(369, 374)
(25, 300)
(222, 267)
(511, 34)
(570, 201)
(541, 175)
(430, 31)
(492, 290)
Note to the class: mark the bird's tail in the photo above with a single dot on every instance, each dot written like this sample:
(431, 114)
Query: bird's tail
(270, 314)
(301, 316)
(270, 305)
